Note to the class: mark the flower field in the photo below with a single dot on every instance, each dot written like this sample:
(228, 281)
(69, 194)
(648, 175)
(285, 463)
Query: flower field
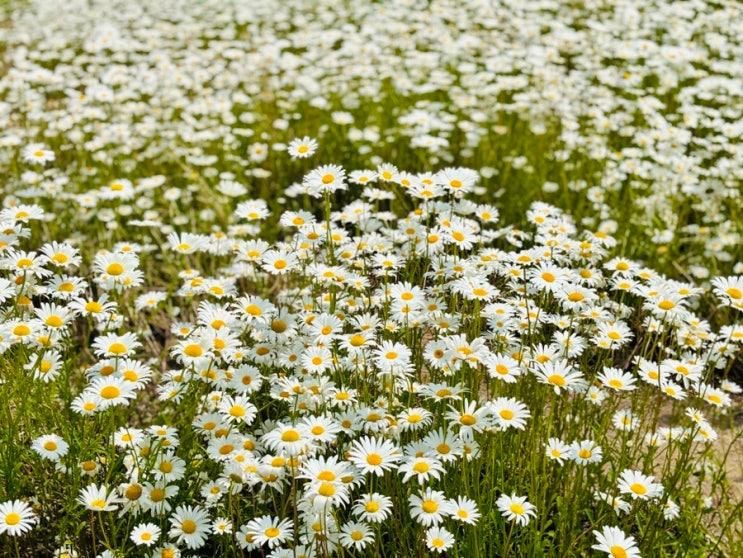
(301, 279)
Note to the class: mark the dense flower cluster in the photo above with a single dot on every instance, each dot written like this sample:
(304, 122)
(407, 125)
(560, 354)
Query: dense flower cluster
(634, 106)
(218, 338)
(385, 348)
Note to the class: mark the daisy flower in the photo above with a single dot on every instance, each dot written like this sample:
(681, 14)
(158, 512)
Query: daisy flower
(321, 429)
(111, 391)
(439, 539)
(560, 375)
(509, 412)
(423, 468)
(373, 455)
(515, 508)
(617, 380)
(730, 290)
(61, 254)
(190, 526)
(415, 418)
(237, 409)
(356, 535)
(38, 153)
(615, 543)
(444, 445)
(557, 450)
(16, 518)
(278, 263)
(50, 447)
(145, 534)
(325, 179)
(98, 498)
(464, 510)
(301, 148)
(112, 345)
(428, 508)
(502, 367)
(325, 495)
(585, 452)
(269, 530)
(470, 419)
(286, 438)
(374, 507)
(639, 486)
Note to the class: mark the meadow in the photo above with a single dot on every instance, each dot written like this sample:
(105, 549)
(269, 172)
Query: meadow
(301, 279)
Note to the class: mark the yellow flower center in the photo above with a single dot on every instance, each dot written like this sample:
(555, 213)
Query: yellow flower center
(115, 269)
(110, 392)
(732, 292)
(226, 449)
(93, 307)
(556, 380)
(157, 494)
(117, 348)
(326, 489)
(517, 508)
(290, 436)
(193, 350)
(374, 459)
(429, 506)
(54, 321)
(253, 310)
(357, 340)
(421, 467)
(237, 411)
(133, 492)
